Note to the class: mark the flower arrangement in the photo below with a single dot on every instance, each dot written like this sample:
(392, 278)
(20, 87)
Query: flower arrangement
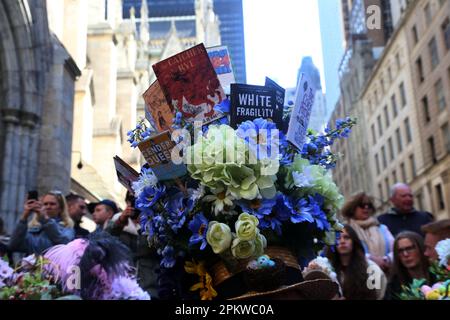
(246, 189)
(418, 290)
(27, 281)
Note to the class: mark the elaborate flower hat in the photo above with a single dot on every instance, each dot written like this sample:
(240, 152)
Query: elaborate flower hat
(228, 201)
(224, 213)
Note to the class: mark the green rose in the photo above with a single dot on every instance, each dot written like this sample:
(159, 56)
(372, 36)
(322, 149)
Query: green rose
(242, 249)
(260, 244)
(218, 236)
(246, 227)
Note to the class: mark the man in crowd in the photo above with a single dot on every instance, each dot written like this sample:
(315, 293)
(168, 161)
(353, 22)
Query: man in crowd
(103, 213)
(435, 232)
(403, 216)
(77, 209)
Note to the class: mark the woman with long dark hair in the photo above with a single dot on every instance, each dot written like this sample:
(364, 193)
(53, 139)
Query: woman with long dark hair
(360, 278)
(409, 263)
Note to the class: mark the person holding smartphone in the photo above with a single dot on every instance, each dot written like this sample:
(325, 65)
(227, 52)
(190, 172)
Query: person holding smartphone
(50, 224)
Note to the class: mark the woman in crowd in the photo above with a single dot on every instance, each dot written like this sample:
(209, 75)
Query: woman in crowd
(376, 238)
(49, 226)
(353, 269)
(409, 262)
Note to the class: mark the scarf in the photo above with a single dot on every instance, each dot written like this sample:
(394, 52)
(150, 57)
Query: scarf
(369, 233)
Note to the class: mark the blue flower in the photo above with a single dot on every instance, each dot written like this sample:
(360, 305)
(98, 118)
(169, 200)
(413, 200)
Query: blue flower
(199, 227)
(177, 210)
(223, 107)
(301, 212)
(262, 137)
(168, 254)
(149, 196)
(316, 203)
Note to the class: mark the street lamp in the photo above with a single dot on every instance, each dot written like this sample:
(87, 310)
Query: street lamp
(80, 164)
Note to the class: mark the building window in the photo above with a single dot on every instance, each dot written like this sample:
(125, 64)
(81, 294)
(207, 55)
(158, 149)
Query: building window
(382, 86)
(398, 61)
(376, 96)
(446, 137)
(432, 148)
(374, 138)
(387, 185)
(408, 131)
(446, 33)
(394, 106)
(391, 149)
(403, 170)
(415, 35)
(412, 163)
(390, 74)
(440, 197)
(403, 94)
(380, 126)
(386, 116)
(377, 163)
(427, 13)
(419, 67)
(426, 109)
(434, 54)
(394, 176)
(419, 199)
(383, 153)
(440, 95)
(399, 140)
(380, 191)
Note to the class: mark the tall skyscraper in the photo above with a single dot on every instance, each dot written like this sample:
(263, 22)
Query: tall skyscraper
(230, 14)
(331, 31)
(231, 18)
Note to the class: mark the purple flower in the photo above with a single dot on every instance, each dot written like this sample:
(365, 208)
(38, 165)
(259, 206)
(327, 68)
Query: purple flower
(199, 227)
(125, 288)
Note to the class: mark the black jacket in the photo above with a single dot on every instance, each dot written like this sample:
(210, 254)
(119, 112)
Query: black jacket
(398, 222)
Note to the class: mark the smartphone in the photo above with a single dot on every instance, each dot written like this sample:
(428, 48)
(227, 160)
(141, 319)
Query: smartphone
(32, 195)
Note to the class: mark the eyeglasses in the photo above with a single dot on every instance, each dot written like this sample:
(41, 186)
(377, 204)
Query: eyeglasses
(364, 205)
(406, 250)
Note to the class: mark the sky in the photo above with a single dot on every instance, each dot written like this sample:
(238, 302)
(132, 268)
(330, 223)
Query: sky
(278, 33)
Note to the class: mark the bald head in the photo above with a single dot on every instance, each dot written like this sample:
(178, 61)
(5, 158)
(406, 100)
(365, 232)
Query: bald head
(402, 197)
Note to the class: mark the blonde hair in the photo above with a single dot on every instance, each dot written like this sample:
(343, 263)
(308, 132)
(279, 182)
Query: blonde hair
(66, 221)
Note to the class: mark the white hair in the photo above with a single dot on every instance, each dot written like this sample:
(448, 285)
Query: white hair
(394, 188)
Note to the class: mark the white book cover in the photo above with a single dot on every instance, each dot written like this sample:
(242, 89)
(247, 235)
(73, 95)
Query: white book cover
(301, 112)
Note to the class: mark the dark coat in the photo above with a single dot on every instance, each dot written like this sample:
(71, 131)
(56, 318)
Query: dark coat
(413, 221)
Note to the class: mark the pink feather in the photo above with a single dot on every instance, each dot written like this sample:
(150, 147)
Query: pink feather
(63, 258)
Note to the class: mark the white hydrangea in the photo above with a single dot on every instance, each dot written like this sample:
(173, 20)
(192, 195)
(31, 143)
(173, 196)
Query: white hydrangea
(146, 179)
(443, 250)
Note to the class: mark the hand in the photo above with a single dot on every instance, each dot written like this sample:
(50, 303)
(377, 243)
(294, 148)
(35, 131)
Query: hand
(29, 207)
(381, 262)
(42, 214)
(126, 214)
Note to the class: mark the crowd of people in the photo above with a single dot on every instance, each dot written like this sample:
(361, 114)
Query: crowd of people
(398, 245)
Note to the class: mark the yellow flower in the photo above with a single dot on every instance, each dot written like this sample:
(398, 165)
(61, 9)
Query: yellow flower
(207, 292)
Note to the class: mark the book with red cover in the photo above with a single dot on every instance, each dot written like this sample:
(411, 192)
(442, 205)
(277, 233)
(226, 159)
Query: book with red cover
(125, 173)
(158, 112)
(190, 84)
